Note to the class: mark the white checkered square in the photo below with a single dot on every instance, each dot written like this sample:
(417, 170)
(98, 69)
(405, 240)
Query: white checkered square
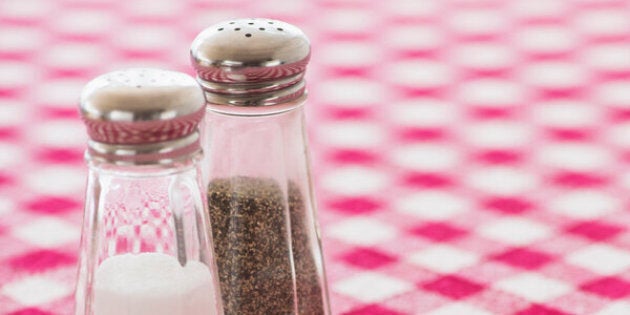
(47, 232)
(371, 287)
(601, 259)
(533, 287)
(36, 290)
(443, 258)
(585, 204)
(458, 309)
(515, 231)
(433, 205)
(616, 308)
(362, 231)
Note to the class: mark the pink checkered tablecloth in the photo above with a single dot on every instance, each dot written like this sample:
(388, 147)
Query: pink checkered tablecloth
(471, 157)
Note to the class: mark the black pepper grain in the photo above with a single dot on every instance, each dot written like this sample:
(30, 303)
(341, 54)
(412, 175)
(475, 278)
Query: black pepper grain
(251, 244)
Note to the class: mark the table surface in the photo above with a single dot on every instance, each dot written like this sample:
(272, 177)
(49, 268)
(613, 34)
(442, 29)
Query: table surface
(471, 157)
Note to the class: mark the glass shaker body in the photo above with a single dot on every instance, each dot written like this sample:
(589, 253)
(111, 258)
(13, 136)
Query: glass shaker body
(262, 211)
(144, 234)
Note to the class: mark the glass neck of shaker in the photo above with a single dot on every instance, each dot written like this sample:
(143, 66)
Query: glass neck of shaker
(262, 142)
(147, 170)
(137, 193)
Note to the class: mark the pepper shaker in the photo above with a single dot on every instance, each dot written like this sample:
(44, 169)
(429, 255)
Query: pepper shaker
(259, 191)
(146, 242)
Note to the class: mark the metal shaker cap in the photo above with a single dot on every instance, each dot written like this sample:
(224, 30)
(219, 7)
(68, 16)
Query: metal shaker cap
(251, 62)
(142, 116)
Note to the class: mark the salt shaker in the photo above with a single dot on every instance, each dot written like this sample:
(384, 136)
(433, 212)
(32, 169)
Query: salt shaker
(146, 242)
(260, 196)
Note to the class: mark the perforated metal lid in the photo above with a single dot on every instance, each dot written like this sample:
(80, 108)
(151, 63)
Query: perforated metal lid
(251, 62)
(142, 115)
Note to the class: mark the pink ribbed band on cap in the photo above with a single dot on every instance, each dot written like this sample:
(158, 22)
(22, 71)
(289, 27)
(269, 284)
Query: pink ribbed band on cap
(139, 132)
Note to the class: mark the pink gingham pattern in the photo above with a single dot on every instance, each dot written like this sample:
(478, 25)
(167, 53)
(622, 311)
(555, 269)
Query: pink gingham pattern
(471, 157)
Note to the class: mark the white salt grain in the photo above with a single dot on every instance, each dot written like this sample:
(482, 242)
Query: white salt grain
(152, 284)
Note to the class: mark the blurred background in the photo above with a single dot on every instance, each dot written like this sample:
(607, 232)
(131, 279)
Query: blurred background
(470, 156)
